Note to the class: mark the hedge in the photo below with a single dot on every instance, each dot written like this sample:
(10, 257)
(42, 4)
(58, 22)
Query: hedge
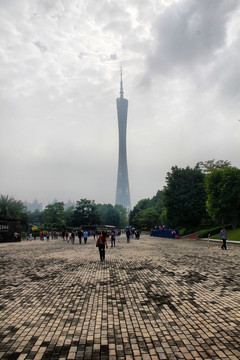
(213, 231)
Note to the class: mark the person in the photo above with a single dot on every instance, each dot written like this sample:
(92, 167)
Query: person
(137, 234)
(128, 234)
(85, 235)
(73, 237)
(80, 236)
(101, 244)
(223, 237)
(67, 239)
(113, 238)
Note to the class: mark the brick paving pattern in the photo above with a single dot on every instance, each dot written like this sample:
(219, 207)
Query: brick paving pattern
(150, 299)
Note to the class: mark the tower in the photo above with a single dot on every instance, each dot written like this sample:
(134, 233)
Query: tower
(122, 193)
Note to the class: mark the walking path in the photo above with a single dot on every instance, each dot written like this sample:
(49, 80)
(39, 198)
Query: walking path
(151, 299)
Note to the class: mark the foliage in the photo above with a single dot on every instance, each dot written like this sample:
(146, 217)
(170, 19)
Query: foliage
(108, 215)
(213, 231)
(208, 166)
(122, 216)
(36, 217)
(86, 213)
(36, 233)
(13, 210)
(223, 195)
(139, 216)
(134, 213)
(113, 215)
(54, 215)
(69, 214)
(233, 234)
(184, 197)
(148, 218)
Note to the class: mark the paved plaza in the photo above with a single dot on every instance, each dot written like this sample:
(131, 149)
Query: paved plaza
(151, 299)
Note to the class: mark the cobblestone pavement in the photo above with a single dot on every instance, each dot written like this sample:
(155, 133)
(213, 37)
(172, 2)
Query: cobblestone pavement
(151, 299)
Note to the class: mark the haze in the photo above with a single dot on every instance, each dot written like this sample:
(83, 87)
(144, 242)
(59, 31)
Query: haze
(60, 70)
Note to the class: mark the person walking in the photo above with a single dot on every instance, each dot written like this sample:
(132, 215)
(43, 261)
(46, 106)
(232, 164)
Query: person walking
(128, 234)
(101, 244)
(73, 237)
(85, 235)
(113, 238)
(80, 234)
(223, 237)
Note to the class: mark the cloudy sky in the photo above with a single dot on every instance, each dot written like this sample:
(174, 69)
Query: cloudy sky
(59, 73)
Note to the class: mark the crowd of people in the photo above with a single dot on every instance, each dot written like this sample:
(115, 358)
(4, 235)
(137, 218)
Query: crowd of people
(81, 236)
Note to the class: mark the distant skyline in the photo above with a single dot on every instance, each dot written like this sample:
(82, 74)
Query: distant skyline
(59, 73)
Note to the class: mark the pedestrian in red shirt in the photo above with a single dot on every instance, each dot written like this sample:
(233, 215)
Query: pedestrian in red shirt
(101, 244)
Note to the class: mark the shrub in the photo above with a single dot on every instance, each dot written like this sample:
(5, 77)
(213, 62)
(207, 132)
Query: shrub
(213, 231)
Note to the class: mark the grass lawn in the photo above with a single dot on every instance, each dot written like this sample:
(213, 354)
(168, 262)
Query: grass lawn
(231, 234)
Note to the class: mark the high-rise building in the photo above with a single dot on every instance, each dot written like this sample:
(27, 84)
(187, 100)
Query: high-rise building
(122, 193)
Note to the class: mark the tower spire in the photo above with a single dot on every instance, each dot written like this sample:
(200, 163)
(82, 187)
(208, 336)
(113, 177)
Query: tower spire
(121, 84)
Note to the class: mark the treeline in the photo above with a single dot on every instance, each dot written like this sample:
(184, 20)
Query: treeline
(206, 195)
(193, 198)
(55, 217)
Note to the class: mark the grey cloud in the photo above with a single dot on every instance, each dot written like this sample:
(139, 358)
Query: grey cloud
(110, 11)
(113, 57)
(40, 46)
(118, 27)
(189, 33)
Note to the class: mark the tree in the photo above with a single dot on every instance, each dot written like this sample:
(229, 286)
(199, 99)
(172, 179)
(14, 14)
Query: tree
(223, 195)
(148, 218)
(134, 213)
(13, 210)
(108, 215)
(122, 215)
(185, 197)
(69, 213)
(54, 215)
(86, 213)
(36, 217)
(210, 165)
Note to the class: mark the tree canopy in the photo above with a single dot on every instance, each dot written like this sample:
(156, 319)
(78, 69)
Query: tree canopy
(184, 197)
(54, 215)
(208, 166)
(86, 213)
(223, 195)
(12, 210)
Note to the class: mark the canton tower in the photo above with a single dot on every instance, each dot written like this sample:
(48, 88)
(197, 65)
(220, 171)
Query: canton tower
(122, 193)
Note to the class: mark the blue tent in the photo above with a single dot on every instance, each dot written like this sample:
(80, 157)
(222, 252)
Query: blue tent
(166, 233)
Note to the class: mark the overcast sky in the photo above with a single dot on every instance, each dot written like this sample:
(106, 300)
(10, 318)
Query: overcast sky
(59, 74)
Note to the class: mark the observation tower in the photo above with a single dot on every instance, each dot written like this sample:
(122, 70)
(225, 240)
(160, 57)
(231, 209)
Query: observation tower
(123, 192)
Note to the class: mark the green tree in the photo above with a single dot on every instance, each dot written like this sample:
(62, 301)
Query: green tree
(54, 215)
(148, 218)
(111, 215)
(36, 217)
(223, 195)
(69, 216)
(122, 215)
(13, 210)
(185, 197)
(208, 166)
(86, 213)
(134, 213)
